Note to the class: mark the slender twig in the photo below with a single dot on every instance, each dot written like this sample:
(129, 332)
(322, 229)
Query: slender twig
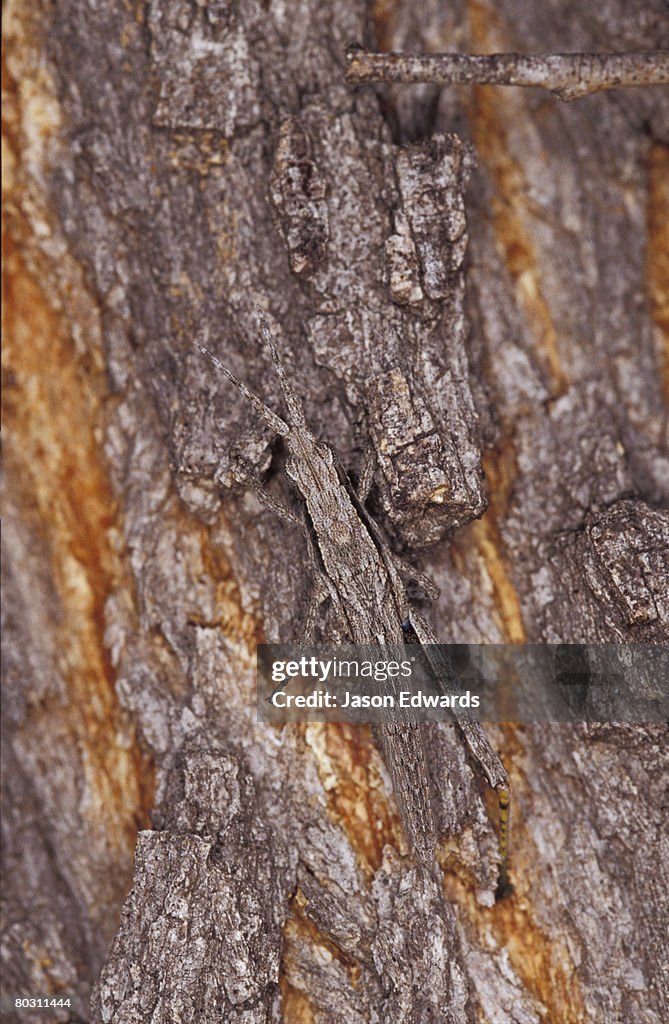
(568, 75)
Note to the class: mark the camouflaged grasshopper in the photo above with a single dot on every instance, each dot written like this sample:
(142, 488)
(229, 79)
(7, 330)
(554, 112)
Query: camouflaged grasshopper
(355, 570)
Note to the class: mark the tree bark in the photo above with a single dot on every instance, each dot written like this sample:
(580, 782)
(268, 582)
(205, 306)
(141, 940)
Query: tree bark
(472, 282)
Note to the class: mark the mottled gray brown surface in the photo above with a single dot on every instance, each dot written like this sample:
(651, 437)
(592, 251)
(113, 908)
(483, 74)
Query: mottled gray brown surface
(210, 156)
(569, 76)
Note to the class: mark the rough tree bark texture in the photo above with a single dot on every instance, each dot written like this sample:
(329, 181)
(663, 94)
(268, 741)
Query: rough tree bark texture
(168, 165)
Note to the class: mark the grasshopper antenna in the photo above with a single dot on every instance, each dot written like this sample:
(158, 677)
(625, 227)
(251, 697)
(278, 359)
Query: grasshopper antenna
(274, 421)
(295, 409)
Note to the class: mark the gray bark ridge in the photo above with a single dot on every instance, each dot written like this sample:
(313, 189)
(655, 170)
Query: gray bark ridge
(179, 197)
(208, 904)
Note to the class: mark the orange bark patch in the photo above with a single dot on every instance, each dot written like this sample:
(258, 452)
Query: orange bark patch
(383, 19)
(296, 1006)
(499, 465)
(57, 489)
(304, 941)
(541, 959)
(483, 540)
(493, 114)
(348, 765)
(229, 614)
(657, 259)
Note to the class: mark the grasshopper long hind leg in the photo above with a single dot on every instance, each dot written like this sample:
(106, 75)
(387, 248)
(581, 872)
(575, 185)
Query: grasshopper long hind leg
(504, 886)
(482, 752)
(497, 778)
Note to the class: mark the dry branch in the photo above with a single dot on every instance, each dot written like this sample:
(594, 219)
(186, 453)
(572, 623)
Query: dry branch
(568, 75)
